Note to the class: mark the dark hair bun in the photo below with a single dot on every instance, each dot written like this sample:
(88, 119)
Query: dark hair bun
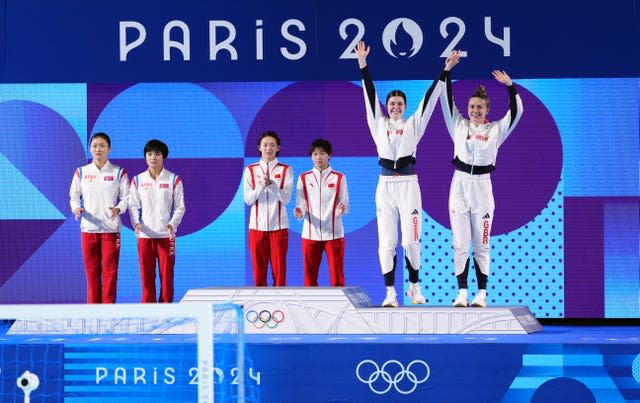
(481, 92)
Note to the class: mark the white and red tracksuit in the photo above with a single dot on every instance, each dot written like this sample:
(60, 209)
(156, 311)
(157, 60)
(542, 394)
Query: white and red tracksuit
(318, 195)
(398, 192)
(471, 203)
(268, 222)
(154, 204)
(96, 189)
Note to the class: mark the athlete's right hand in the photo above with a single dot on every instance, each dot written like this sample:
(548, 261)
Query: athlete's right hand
(78, 212)
(452, 60)
(137, 229)
(297, 212)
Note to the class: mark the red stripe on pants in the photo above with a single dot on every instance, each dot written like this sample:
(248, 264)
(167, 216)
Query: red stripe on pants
(164, 251)
(101, 252)
(265, 247)
(312, 256)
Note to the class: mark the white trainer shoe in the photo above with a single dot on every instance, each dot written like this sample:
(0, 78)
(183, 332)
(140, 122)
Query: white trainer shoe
(391, 301)
(461, 300)
(415, 294)
(480, 301)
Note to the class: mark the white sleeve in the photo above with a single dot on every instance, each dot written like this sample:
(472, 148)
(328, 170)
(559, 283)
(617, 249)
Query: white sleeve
(343, 197)
(134, 203)
(300, 199)
(179, 207)
(75, 192)
(251, 192)
(510, 119)
(450, 112)
(123, 192)
(284, 195)
(426, 107)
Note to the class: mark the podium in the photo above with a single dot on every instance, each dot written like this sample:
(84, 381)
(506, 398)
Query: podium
(349, 310)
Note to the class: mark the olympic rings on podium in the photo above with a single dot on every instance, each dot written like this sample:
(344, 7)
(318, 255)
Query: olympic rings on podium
(265, 318)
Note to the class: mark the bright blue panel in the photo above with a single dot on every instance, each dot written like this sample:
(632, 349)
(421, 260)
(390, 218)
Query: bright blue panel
(621, 259)
(598, 122)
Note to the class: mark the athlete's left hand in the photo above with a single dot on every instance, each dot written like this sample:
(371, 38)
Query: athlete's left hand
(172, 232)
(502, 77)
(114, 212)
(341, 208)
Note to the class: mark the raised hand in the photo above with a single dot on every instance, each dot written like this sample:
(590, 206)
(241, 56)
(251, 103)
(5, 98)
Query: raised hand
(362, 51)
(502, 77)
(452, 60)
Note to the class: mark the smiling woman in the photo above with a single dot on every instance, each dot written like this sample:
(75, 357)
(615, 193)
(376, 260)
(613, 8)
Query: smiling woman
(398, 192)
(267, 189)
(471, 205)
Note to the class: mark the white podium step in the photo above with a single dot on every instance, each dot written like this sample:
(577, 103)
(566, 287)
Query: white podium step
(349, 310)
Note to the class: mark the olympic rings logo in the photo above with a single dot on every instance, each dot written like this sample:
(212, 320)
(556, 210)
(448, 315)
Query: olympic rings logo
(264, 318)
(384, 375)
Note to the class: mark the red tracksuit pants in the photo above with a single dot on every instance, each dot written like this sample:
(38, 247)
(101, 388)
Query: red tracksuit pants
(164, 251)
(101, 252)
(269, 246)
(312, 256)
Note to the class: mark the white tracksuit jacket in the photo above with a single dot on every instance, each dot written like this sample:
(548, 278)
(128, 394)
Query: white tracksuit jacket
(398, 196)
(96, 190)
(161, 201)
(268, 212)
(471, 203)
(318, 195)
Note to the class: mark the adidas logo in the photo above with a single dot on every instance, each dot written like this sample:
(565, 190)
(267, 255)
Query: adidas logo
(415, 212)
(486, 216)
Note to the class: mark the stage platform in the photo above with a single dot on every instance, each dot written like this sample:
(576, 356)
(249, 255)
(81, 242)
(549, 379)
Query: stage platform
(349, 310)
(559, 364)
(324, 345)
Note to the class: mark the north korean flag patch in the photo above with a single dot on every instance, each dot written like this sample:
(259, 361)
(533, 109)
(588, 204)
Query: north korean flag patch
(108, 178)
(164, 186)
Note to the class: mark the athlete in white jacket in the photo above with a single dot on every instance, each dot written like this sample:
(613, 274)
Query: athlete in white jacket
(156, 208)
(471, 205)
(322, 199)
(398, 191)
(267, 189)
(98, 195)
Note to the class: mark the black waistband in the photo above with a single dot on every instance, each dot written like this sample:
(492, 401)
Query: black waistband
(472, 169)
(397, 164)
(406, 171)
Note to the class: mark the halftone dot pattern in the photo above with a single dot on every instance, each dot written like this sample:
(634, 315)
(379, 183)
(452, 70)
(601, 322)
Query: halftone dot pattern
(527, 264)
(635, 368)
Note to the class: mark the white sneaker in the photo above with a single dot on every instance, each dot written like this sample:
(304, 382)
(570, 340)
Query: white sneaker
(461, 300)
(415, 294)
(391, 301)
(480, 301)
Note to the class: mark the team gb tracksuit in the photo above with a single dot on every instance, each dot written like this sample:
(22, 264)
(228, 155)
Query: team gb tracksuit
(398, 191)
(471, 202)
